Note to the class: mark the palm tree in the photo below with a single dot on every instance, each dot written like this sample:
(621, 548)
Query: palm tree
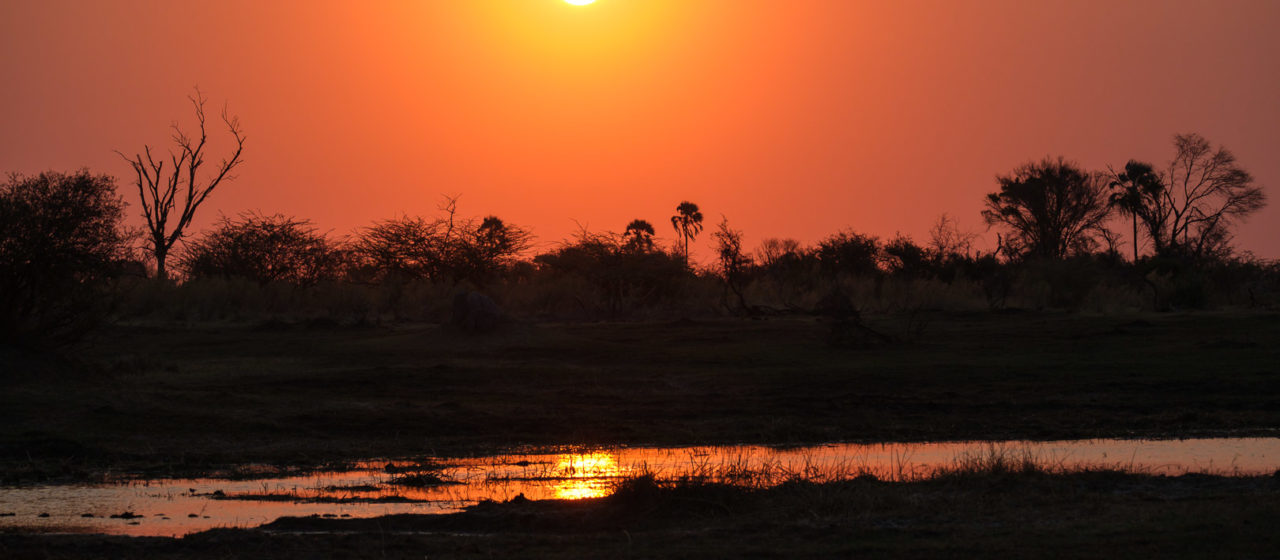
(639, 235)
(687, 223)
(1132, 191)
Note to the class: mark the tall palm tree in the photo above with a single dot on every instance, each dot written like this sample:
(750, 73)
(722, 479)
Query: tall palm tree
(1133, 190)
(687, 223)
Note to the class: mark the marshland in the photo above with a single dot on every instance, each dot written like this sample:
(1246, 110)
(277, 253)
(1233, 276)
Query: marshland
(659, 279)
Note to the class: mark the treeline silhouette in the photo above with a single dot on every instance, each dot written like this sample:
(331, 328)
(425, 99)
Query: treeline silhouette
(67, 261)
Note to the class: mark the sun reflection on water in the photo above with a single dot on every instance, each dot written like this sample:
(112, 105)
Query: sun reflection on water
(586, 475)
(173, 507)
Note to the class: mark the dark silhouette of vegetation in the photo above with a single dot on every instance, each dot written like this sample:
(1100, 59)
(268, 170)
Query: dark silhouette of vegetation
(733, 263)
(61, 240)
(903, 257)
(947, 241)
(263, 249)
(613, 270)
(849, 252)
(1054, 251)
(170, 197)
(484, 251)
(1135, 193)
(775, 252)
(441, 249)
(1051, 209)
(1205, 192)
(687, 223)
(639, 236)
(402, 248)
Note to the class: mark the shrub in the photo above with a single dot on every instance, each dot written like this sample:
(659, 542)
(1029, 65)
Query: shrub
(621, 277)
(61, 240)
(263, 249)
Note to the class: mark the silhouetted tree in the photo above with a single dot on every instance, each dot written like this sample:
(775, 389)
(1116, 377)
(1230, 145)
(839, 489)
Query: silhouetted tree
(789, 268)
(622, 278)
(171, 196)
(687, 223)
(441, 249)
(1051, 208)
(947, 242)
(775, 252)
(733, 263)
(482, 251)
(1136, 192)
(263, 249)
(903, 256)
(849, 252)
(639, 236)
(403, 248)
(1205, 192)
(61, 238)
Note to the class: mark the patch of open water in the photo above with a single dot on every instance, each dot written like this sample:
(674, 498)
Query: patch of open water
(175, 507)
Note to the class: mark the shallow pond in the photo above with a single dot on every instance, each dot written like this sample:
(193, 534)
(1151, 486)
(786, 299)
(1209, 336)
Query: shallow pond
(172, 507)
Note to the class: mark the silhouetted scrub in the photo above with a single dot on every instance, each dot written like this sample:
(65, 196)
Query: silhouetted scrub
(61, 242)
(443, 249)
(264, 249)
(603, 275)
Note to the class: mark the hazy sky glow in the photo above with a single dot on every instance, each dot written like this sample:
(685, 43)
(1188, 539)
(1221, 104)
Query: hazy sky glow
(792, 118)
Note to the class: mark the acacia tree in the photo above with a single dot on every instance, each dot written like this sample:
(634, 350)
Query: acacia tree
(402, 248)
(170, 195)
(442, 248)
(687, 223)
(1205, 192)
(1051, 208)
(263, 249)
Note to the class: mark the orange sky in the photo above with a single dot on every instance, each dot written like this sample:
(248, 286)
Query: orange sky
(792, 118)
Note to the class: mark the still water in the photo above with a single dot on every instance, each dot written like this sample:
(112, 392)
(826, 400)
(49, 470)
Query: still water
(174, 507)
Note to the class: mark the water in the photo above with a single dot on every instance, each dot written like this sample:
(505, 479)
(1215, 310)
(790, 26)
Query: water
(174, 507)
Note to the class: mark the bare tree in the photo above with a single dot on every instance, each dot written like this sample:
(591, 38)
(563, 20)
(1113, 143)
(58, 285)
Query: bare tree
(774, 251)
(171, 194)
(1205, 191)
(947, 240)
(733, 261)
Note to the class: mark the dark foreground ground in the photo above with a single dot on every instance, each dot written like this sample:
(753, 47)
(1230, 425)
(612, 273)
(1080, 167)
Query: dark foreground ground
(182, 399)
(996, 515)
(186, 399)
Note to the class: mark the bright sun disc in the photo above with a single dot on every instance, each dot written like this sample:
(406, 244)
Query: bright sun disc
(579, 2)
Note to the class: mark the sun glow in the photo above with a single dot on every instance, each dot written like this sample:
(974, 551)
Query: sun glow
(580, 2)
(588, 475)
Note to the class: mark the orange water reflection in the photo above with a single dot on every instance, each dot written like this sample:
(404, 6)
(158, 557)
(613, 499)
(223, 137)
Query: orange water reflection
(587, 475)
(172, 507)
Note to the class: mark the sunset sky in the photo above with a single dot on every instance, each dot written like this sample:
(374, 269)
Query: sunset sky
(793, 118)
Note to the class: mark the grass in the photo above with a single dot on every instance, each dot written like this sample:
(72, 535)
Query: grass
(168, 399)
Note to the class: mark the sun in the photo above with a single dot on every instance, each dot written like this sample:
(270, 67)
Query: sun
(579, 2)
